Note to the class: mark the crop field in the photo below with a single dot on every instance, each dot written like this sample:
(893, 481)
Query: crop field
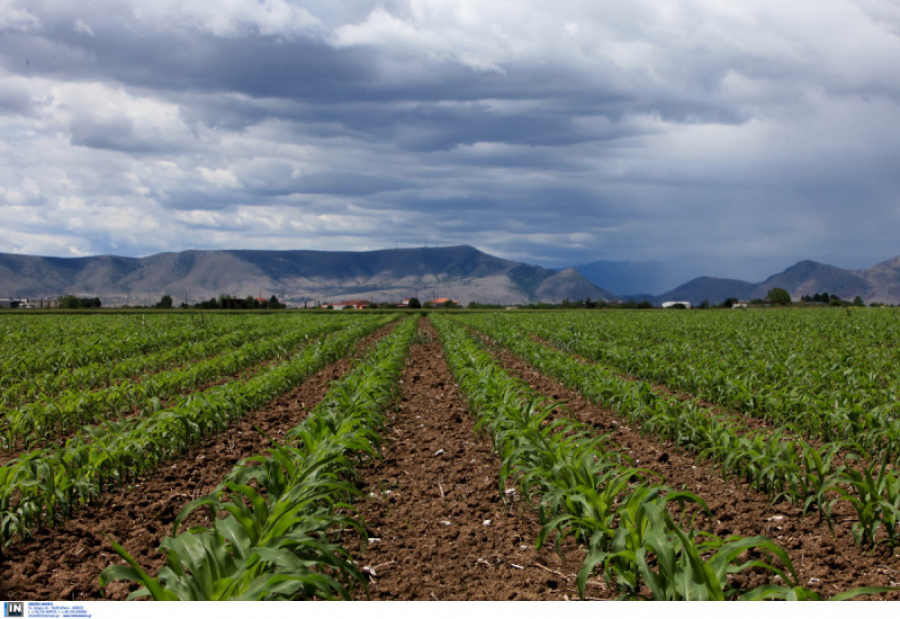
(660, 455)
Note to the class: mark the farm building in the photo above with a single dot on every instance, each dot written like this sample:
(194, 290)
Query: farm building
(353, 303)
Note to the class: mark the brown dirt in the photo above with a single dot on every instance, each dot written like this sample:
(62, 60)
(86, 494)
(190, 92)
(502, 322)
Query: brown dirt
(825, 563)
(443, 531)
(65, 563)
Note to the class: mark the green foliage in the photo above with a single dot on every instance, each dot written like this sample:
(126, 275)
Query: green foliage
(42, 486)
(273, 515)
(874, 493)
(778, 296)
(766, 374)
(72, 302)
(69, 402)
(590, 492)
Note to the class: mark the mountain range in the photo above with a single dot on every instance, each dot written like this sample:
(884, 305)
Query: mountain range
(461, 273)
(876, 284)
(655, 277)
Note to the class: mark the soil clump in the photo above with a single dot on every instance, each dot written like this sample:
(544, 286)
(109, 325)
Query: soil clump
(440, 527)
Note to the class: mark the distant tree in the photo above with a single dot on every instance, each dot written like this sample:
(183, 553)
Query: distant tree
(414, 303)
(165, 302)
(778, 296)
(70, 301)
(858, 302)
(274, 303)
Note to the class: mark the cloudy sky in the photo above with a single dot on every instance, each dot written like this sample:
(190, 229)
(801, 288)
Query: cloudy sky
(553, 132)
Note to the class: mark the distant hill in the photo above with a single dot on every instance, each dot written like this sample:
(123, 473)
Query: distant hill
(462, 273)
(712, 289)
(880, 283)
(654, 277)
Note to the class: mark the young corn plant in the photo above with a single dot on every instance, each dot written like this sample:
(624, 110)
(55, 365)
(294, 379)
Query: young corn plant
(42, 486)
(770, 461)
(653, 557)
(263, 552)
(613, 509)
(50, 414)
(281, 507)
(818, 469)
(874, 493)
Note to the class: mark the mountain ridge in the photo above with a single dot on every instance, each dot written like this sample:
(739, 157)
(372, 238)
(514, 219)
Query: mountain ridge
(876, 284)
(460, 272)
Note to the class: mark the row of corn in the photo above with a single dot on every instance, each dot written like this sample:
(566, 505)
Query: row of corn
(183, 346)
(774, 462)
(40, 420)
(35, 347)
(275, 515)
(43, 486)
(648, 540)
(828, 375)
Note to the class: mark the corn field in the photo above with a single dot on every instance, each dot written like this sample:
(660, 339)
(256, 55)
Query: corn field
(703, 455)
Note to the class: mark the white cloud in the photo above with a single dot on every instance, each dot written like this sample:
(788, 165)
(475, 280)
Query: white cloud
(16, 19)
(230, 18)
(590, 128)
(83, 28)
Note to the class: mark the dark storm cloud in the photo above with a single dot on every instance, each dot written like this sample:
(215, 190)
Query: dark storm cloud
(190, 61)
(14, 101)
(590, 129)
(116, 134)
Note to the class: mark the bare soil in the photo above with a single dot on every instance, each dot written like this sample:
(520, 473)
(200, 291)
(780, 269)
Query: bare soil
(439, 527)
(65, 562)
(825, 563)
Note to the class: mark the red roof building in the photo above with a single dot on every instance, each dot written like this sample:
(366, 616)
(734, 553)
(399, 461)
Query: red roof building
(354, 303)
